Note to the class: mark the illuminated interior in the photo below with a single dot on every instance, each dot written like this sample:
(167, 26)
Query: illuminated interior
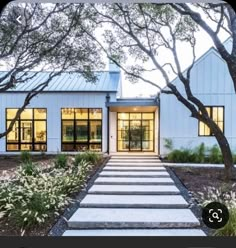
(29, 132)
(81, 129)
(135, 132)
(217, 114)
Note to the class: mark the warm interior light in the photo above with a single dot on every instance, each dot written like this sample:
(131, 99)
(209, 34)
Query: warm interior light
(135, 109)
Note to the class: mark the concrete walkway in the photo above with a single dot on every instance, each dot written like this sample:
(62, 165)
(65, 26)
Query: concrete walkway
(134, 196)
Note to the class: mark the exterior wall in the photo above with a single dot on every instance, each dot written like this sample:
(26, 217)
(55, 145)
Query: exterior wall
(210, 82)
(54, 102)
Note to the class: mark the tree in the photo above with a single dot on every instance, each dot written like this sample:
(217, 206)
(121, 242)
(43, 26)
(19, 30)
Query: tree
(144, 31)
(49, 38)
(221, 17)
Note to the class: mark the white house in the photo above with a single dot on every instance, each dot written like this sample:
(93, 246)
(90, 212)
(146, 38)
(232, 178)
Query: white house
(73, 115)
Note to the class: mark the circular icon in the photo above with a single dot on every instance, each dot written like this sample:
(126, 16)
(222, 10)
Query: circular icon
(215, 215)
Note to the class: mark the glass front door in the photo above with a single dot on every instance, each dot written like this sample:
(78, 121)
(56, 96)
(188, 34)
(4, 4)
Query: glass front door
(135, 132)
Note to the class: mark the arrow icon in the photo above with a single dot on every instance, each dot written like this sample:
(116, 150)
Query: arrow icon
(18, 19)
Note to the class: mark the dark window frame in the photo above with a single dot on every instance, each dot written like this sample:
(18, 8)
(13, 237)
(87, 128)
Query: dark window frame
(129, 120)
(75, 143)
(20, 143)
(211, 116)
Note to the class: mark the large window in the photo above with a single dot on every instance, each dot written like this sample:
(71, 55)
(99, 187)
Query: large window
(217, 114)
(81, 129)
(29, 131)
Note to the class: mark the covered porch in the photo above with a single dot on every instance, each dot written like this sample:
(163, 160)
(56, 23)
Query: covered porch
(133, 126)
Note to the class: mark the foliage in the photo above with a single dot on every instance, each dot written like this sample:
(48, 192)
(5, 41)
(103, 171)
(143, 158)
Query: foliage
(226, 195)
(200, 153)
(182, 156)
(61, 160)
(215, 156)
(29, 168)
(168, 144)
(30, 200)
(90, 157)
(25, 157)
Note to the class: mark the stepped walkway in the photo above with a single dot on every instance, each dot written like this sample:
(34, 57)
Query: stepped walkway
(134, 196)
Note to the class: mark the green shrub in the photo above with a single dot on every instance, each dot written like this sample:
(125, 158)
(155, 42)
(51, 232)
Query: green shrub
(200, 153)
(230, 228)
(168, 144)
(25, 157)
(215, 156)
(30, 201)
(29, 168)
(61, 161)
(90, 157)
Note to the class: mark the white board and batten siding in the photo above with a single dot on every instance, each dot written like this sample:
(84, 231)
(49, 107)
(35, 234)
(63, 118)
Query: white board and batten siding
(212, 84)
(53, 102)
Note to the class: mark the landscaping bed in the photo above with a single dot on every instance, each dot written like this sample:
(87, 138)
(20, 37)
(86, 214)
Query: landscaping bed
(207, 185)
(70, 175)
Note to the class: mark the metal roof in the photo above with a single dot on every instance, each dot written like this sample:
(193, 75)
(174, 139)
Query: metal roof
(68, 82)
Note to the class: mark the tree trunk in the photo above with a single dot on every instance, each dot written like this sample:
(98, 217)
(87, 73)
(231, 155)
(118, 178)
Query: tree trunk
(226, 153)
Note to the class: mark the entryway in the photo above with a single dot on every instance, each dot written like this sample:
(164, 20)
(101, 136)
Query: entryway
(135, 132)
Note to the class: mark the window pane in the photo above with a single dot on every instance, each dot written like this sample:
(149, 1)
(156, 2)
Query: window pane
(40, 114)
(40, 147)
(82, 131)
(68, 131)
(26, 131)
(11, 113)
(81, 113)
(67, 147)
(215, 114)
(147, 145)
(123, 116)
(201, 128)
(221, 126)
(220, 114)
(95, 114)
(135, 116)
(40, 131)
(26, 147)
(12, 147)
(123, 125)
(208, 109)
(81, 147)
(13, 136)
(148, 116)
(67, 113)
(27, 114)
(95, 131)
(95, 147)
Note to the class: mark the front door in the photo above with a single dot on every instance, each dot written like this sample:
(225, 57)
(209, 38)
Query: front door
(135, 132)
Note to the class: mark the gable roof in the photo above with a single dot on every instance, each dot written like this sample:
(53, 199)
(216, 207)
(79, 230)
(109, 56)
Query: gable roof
(69, 82)
(203, 56)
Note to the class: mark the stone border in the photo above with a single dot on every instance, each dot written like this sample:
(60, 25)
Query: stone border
(61, 225)
(188, 196)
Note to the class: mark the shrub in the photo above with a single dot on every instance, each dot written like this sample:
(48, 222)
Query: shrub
(25, 157)
(227, 196)
(61, 161)
(168, 144)
(29, 169)
(30, 200)
(215, 156)
(200, 153)
(182, 156)
(230, 228)
(90, 157)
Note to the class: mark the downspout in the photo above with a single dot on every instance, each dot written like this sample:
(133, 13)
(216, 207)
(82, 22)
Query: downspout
(108, 127)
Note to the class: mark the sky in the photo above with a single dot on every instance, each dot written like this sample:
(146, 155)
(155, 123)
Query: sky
(142, 89)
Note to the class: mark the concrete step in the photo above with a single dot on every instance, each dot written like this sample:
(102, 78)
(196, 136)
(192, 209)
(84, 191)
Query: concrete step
(134, 174)
(134, 201)
(85, 218)
(134, 163)
(133, 168)
(135, 232)
(134, 189)
(134, 180)
(134, 160)
(135, 157)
